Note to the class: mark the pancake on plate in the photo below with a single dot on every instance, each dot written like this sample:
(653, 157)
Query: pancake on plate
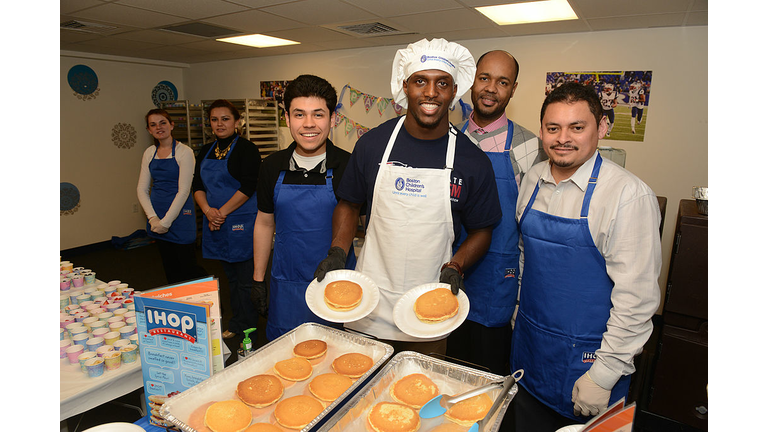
(310, 349)
(436, 306)
(393, 417)
(263, 427)
(260, 391)
(293, 369)
(353, 365)
(413, 390)
(343, 295)
(328, 387)
(298, 411)
(228, 416)
(469, 411)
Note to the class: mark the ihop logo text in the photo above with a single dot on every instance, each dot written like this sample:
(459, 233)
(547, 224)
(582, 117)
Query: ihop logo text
(172, 323)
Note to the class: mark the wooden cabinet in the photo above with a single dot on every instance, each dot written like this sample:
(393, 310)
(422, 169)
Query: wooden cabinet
(679, 384)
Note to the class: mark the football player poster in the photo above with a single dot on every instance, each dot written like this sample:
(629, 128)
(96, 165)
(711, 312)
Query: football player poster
(274, 90)
(625, 96)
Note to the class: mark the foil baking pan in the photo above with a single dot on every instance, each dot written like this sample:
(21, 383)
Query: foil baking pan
(186, 409)
(450, 379)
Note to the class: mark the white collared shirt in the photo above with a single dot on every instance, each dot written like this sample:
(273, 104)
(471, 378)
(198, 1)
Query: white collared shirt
(624, 223)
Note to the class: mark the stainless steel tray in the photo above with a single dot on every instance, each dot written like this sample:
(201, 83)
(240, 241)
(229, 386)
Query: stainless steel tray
(222, 385)
(450, 379)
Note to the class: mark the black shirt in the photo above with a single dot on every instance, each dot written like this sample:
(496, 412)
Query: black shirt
(335, 158)
(243, 164)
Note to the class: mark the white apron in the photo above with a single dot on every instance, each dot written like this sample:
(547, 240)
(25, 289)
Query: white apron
(409, 235)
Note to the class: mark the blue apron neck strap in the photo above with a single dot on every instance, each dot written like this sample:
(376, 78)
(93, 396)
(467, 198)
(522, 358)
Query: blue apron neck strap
(591, 186)
(510, 132)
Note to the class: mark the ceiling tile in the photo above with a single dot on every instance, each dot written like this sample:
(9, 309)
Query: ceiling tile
(254, 21)
(192, 9)
(319, 12)
(392, 8)
(158, 36)
(212, 46)
(638, 21)
(459, 19)
(570, 26)
(128, 16)
(697, 19)
(74, 36)
(69, 6)
(600, 8)
(311, 34)
(485, 33)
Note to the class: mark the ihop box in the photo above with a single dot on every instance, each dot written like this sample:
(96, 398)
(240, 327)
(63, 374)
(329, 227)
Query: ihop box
(175, 349)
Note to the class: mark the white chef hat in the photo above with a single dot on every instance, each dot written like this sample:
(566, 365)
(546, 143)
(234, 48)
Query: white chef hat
(437, 54)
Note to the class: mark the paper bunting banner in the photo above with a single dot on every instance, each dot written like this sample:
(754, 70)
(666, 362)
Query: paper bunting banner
(382, 105)
(368, 100)
(354, 95)
(398, 109)
(337, 120)
(348, 126)
(361, 131)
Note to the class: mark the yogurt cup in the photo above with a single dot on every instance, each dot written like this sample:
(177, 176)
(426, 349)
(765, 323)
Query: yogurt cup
(74, 351)
(129, 353)
(63, 345)
(111, 337)
(112, 360)
(82, 358)
(94, 367)
(104, 349)
(100, 332)
(80, 339)
(94, 343)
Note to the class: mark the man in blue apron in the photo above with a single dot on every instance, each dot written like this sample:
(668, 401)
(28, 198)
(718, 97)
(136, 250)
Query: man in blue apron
(589, 286)
(296, 195)
(492, 284)
(422, 180)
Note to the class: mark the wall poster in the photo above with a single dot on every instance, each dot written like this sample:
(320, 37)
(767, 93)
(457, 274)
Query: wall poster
(274, 90)
(625, 96)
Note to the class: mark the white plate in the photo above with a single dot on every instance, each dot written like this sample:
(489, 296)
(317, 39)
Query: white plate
(315, 291)
(116, 427)
(406, 320)
(571, 428)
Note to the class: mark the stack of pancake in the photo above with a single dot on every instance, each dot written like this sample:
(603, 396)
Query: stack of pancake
(436, 306)
(469, 411)
(228, 416)
(260, 391)
(343, 295)
(352, 365)
(393, 417)
(297, 412)
(413, 390)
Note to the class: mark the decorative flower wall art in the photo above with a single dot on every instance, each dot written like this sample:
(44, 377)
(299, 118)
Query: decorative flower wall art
(123, 135)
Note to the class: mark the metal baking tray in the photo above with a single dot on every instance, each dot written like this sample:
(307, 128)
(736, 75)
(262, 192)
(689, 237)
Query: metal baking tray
(450, 379)
(222, 385)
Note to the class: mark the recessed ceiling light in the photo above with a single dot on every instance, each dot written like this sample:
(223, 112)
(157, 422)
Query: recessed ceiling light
(529, 12)
(258, 41)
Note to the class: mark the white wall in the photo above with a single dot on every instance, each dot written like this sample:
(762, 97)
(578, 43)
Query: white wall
(672, 159)
(105, 174)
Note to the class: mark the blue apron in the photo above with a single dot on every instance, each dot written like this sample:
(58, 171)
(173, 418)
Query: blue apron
(234, 241)
(165, 186)
(565, 302)
(303, 231)
(491, 284)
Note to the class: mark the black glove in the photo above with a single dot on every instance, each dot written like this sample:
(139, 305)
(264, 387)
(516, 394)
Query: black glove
(335, 260)
(259, 297)
(451, 276)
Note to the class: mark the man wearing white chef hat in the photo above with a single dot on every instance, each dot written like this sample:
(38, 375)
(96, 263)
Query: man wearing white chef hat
(422, 180)
(590, 263)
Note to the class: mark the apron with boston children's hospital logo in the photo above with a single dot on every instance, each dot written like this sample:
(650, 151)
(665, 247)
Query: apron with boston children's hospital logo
(409, 235)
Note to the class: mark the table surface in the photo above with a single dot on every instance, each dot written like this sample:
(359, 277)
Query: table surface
(78, 393)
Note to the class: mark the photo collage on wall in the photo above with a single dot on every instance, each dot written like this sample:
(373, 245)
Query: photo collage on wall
(625, 96)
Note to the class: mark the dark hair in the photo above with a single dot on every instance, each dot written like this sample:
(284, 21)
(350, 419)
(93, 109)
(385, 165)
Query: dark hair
(517, 65)
(157, 111)
(310, 86)
(572, 92)
(223, 103)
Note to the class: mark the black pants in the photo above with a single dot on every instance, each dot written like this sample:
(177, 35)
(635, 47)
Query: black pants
(179, 261)
(240, 280)
(527, 414)
(481, 345)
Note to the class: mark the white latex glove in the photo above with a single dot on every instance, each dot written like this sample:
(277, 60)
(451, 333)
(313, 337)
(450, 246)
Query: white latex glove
(589, 399)
(156, 227)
